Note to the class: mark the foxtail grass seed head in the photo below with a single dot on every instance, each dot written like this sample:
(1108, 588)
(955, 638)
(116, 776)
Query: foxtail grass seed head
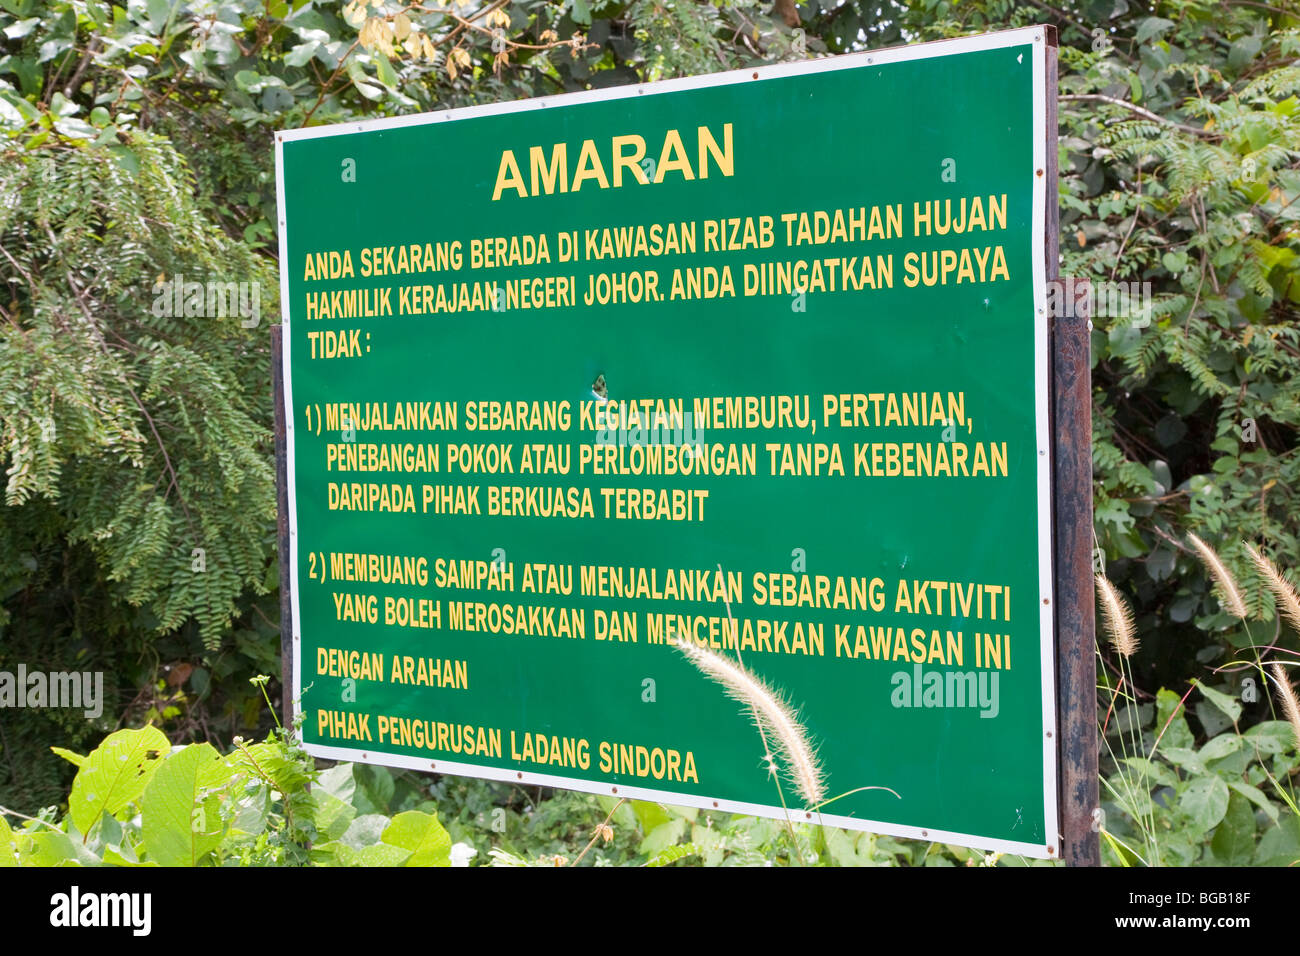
(1229, 593)
(1286, 697)
(1288, 601)
(1117, 616)
(773, 715)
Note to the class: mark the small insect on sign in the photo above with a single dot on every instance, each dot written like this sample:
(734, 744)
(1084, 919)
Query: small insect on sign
(687, 442)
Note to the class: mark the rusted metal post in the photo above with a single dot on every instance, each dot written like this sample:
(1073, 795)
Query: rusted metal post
(1076, 637)
(1076, 664)
(282, 529)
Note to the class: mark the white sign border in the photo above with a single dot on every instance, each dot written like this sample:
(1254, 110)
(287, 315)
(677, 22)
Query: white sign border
(1037, 36)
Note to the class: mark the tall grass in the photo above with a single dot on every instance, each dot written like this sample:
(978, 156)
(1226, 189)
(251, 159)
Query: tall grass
(775, 719)
(1130, 786)
(1130, 791)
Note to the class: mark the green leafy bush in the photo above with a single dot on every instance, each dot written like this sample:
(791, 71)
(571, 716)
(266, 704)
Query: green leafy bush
(138, 801)
(1227, 802)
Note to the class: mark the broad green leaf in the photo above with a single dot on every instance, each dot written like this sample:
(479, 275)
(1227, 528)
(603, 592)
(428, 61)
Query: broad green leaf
(157, 13)
(674, 853)
(423, 835)
(336, 853)
(1135, 87)
(1230, 706)
(1234, 838)
(61, 106)
(16, 31)
(54, 848)
(1206, 801)
(329, 854)
(1152, 27)
(663, 836)
(180, 827)
(959, 853)
(649, 815)
(76, 129)
(1243, 51)
(1220, 746)
(375, 788)
(1271, 737)
(333, 816)
(252, 82)
(381, 854)
(118, 857)
(366, 830)
(1177, 733)
(1213, 721)
(126, 158)
(384, 71)
(338, 781)
(300, 54)
(1255, 796)
(362, 82)
(840, 848)
(1182, 757)
(76, 759)
(1280, 845)
(252, 814)
(8, 852)
(16, 112)
(114, 774)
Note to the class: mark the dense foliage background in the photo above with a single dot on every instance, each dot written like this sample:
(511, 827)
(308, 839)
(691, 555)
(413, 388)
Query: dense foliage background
(137, 532)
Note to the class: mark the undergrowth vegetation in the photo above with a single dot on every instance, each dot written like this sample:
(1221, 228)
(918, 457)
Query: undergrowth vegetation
(1230, 799)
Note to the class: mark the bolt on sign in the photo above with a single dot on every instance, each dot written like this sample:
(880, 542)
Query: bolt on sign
(687, 442)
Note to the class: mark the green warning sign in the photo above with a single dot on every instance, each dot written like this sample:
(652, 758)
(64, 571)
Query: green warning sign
(687, 442)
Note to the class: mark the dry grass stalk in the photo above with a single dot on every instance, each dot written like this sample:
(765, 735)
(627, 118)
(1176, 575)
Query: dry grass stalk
(1229, 593)
(1286, 697)
(1117, 617)
(772, 714)
(1288, 602)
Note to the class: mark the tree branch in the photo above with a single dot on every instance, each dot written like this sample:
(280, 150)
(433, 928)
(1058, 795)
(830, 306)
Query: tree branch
(1139, 111)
